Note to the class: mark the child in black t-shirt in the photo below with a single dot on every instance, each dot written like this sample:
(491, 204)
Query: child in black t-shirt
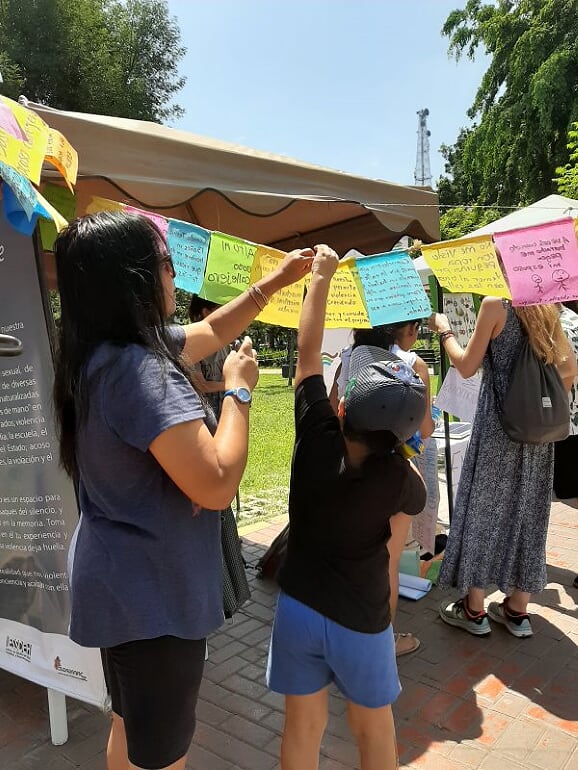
(332, 622)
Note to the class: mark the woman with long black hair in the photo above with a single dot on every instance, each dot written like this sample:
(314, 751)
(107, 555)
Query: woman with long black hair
(145, 571)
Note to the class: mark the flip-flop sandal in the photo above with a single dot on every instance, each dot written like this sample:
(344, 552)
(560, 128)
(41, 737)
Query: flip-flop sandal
(412, 641)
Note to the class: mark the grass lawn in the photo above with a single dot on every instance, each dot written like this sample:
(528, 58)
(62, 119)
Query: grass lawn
(265, 485)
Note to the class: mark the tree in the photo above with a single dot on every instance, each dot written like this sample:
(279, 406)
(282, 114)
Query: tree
(567, 176)
(526, 101)
(462, 220)
(12, 80)
(271, 342)
(102, 56)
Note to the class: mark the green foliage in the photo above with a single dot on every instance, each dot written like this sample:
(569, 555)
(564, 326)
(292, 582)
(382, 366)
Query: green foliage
(525, 104)
(13, 80)
(102, 56)
(462, 220)
(567, 176)
(271, 342)
(54, 300)
(265, 485)
(269, 338)
(183, 300)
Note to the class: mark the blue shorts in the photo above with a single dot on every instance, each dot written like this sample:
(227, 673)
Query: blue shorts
(308, 651)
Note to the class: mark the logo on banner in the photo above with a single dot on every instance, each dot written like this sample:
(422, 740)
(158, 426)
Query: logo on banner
(71, 672)
(18, 648)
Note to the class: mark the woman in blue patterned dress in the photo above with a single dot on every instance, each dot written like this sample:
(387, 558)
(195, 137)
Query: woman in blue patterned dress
(498, 531)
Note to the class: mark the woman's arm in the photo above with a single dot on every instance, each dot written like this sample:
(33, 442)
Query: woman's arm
(333, 393)
(312, 321)
(208, 469)
(489, 324)
(207, 386)
(223, 325)
(427, 424)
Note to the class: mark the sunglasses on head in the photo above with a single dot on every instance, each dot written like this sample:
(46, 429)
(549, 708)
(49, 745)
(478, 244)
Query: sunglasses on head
(168, 264)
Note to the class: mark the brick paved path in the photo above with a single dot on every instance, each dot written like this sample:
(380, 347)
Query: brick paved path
(493, 704)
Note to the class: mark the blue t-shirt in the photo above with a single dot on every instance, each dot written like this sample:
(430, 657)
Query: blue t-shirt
(146, 562)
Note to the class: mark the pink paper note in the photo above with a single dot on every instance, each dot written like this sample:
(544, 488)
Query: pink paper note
(161, 222)
(9, 123)
(541, 262)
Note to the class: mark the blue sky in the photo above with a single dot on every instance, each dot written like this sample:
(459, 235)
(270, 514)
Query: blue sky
(332, 82)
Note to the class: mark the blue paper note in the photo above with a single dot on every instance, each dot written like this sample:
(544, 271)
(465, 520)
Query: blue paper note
(20, 201)
(392, 287)
(24, 196)
(189, 246)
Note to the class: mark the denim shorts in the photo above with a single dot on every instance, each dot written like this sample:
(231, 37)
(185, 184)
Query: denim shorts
(308, 651)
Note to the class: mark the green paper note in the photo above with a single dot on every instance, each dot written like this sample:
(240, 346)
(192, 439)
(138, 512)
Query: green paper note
(65, 203)
(228, 271)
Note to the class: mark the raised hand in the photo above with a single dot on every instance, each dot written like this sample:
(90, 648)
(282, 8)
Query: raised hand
(240, 367)
(325, 261)
(296, 264)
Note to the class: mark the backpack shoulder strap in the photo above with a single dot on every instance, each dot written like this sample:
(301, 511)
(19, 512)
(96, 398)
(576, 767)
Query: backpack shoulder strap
(497, 399)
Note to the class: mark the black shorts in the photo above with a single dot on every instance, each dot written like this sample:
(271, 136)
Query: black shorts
(565, 476)
(154, 685)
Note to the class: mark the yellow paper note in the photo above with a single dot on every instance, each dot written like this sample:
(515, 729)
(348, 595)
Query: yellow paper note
(32, 125)
(102, 204)
(345, 304)
(62, 155)
(26, 159)
(467, 265)
(57, 149)
(284, 308)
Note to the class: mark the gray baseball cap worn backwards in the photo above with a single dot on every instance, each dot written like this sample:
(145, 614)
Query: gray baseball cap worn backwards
(383, 393)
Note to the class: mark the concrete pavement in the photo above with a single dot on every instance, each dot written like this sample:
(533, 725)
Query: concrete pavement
(490, 704)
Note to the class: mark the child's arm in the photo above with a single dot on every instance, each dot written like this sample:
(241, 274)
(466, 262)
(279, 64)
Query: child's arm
(313, 314)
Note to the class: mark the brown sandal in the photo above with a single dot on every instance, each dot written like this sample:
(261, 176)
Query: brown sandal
(409, 644)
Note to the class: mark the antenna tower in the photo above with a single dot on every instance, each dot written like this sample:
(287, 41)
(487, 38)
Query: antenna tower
(422, 175)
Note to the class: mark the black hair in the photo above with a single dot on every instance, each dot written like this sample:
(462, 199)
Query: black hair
(380, 336)
(108, 267)
(197, 305)
(571, 305)
(378, 442)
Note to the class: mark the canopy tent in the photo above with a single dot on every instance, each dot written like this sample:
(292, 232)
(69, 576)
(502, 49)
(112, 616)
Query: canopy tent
(254, 195)
(545, 210)
(423, 269)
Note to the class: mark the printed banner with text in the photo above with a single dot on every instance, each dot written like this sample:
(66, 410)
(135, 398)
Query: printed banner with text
(38, 510)
(461, 313)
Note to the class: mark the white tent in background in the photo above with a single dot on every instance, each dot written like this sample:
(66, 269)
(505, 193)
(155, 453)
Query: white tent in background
(423, 269)
(546, 210)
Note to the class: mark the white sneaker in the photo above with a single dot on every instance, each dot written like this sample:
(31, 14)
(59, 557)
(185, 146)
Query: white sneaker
(456, 614)
(517, 625)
